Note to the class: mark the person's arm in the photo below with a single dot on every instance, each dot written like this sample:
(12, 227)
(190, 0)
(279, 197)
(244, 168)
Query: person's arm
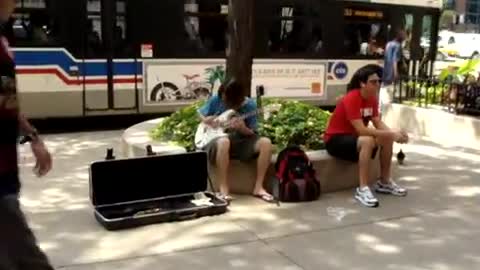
(205, 111)
(27, 129)
(352, 108)
(379, 124)
(39, 149)
(376, 120)
(396, 60)
(249, 125)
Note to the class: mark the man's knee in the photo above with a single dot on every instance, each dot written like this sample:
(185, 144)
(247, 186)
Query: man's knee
(385, 142)
(366, 142)
(264, 145)
(223, 144)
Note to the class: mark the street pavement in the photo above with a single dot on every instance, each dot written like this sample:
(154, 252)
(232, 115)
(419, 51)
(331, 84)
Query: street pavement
(434, 227)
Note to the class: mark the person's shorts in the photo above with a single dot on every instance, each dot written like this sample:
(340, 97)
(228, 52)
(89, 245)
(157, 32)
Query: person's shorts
(345, 147)
(385, 96)
(241, 148)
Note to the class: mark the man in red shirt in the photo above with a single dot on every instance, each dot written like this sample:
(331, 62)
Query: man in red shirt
(349, 137)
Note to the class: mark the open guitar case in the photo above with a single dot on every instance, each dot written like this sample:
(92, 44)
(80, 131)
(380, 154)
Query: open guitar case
(132, 192)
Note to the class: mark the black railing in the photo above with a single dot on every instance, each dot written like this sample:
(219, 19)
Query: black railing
(429, 91)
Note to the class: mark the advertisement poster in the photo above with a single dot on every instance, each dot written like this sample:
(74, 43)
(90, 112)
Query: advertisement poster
(290, 79)
(181, 81)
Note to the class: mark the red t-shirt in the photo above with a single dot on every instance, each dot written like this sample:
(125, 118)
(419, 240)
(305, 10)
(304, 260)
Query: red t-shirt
(351, 107)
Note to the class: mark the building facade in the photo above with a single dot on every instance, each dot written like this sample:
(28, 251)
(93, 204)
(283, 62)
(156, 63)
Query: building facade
(472, 12)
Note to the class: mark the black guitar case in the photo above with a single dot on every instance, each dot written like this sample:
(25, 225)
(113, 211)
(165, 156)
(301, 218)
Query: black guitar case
(133, 192)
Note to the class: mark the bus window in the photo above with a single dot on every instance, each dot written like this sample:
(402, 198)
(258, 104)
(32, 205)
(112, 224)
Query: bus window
(121, 46)
(408, 27)
(366, 32)
(54, 23)
(426, 31)
(206, 26)
(93, 30)
(365, 39)
(291, 31)
(178, 29)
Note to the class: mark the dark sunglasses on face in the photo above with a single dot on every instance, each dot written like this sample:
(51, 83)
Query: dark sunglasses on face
(375, 81)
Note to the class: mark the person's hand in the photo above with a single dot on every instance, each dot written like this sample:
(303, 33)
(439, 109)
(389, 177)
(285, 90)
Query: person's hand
(43, 158)
(238, 124)
(210, 120)
(405, 136)
(400, 137)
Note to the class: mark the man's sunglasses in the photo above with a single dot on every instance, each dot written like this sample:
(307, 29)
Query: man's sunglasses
(375, 81)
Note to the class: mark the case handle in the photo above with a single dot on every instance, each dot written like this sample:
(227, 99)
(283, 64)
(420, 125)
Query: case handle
(186, 215)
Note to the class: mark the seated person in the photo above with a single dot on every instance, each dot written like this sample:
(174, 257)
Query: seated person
(242, 143)
(348, 136)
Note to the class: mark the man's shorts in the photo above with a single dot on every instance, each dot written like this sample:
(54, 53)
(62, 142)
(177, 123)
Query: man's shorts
(241, 147)
(345, 147)
(385, 96)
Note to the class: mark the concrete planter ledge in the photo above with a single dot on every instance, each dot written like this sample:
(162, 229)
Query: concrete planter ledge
(437, 125)
(136, 138)
(334, 175)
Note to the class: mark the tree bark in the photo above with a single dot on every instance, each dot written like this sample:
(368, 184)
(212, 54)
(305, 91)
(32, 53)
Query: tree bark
(241, 40)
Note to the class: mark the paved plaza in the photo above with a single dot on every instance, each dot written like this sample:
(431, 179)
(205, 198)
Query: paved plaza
(435, 227)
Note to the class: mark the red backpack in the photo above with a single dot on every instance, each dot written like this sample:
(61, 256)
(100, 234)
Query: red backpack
(295, 179)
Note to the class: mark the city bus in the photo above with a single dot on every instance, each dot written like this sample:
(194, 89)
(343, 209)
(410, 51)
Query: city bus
(82, 58)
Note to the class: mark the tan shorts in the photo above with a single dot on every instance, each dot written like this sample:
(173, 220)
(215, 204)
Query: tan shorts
(385, 96)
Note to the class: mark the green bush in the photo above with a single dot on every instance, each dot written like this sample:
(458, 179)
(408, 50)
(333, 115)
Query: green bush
(294, 123)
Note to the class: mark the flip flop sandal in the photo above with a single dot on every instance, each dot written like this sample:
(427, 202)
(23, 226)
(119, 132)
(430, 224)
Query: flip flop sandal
(265, 197)
(227, 198)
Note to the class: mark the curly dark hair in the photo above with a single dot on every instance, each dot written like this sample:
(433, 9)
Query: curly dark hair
(233, 93)
(361, 76)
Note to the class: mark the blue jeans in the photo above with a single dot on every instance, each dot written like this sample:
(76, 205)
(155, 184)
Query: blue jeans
(18, 246)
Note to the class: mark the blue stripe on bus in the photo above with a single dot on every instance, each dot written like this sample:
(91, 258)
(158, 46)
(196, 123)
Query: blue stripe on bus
(64, 61)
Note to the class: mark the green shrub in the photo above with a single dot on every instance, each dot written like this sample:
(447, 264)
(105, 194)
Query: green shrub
(294, 123)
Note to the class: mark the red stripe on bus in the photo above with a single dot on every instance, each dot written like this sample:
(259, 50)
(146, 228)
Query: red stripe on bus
(76, 81)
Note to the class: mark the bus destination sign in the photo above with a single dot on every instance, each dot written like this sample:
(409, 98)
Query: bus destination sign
(358, 13)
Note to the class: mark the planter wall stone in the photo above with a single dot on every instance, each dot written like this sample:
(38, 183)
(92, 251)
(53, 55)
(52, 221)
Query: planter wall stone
(334, 175)
(440, 126)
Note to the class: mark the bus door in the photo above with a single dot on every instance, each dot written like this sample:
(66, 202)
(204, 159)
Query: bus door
(109, 81)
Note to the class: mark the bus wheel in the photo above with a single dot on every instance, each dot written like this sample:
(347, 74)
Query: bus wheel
(164, 91)
(202, 92)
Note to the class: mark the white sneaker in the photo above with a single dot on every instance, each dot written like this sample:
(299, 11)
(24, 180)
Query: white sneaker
(365, 196)
(391, 188)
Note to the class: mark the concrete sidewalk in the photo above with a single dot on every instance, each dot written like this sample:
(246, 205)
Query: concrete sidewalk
(435, 227)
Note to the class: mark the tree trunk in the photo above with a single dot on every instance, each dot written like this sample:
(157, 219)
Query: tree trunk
(241, 40)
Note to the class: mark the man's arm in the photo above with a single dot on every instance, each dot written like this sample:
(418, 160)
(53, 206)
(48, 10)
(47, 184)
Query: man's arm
(396, 59)
(40, 151)
(352, 108)
(379, 124)
(27, 129)
(376, 120)
(205, 111)
(249, 125)
(362, 130)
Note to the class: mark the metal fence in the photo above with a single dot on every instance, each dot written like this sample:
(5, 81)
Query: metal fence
(426, 90)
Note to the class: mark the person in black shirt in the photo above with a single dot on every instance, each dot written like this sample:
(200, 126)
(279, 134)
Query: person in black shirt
(18, 246)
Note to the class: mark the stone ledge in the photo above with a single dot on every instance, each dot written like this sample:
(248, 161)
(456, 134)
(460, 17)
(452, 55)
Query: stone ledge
(437, 125)
(334, 175)
(136, 138)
